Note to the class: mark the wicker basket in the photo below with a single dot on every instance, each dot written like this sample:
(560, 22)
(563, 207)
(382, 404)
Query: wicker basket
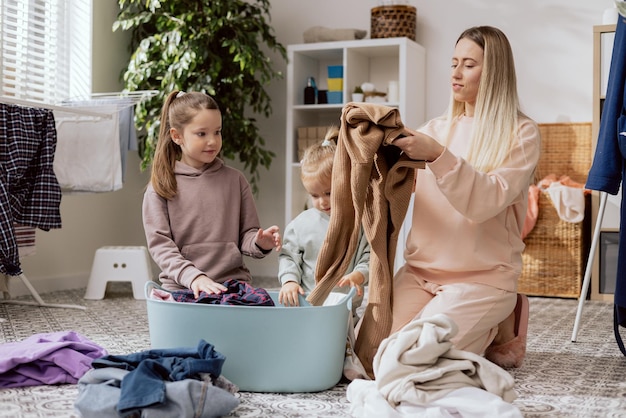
(393, 22)
(556, 250)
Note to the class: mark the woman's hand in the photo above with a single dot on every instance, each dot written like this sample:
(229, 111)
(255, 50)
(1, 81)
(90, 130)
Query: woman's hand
(419, 146)
(288, 294)
(205, 284)
(269, 238)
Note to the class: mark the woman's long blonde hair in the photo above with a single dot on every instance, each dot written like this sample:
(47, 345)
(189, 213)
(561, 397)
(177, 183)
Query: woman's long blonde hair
(177, 111)
(497, 109)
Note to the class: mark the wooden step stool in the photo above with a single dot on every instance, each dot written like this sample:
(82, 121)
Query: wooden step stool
(119, 264)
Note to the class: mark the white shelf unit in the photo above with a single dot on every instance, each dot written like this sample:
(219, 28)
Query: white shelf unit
(377, 61)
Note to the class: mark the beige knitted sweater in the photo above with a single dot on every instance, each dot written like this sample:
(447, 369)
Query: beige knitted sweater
(371, 185)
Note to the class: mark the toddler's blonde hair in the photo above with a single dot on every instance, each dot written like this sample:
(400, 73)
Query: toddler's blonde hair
(317, 162)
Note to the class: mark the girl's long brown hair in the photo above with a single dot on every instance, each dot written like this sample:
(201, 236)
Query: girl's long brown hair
(177, 111)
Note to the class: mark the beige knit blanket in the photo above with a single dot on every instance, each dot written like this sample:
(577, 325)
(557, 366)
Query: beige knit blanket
(371, 186)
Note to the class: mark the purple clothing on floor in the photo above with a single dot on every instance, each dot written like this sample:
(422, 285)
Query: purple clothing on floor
(47, 359)
(237, 293)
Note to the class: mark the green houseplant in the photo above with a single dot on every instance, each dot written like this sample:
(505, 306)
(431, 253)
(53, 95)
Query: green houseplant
(216, 46)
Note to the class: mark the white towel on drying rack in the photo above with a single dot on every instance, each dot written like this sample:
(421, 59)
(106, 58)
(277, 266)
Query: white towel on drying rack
(87, 157)
(126, 108)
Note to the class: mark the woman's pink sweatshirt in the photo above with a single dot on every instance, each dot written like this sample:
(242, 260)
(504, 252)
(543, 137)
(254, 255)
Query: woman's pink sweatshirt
(466, 224)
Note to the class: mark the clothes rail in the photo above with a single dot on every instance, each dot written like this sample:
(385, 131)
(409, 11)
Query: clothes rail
(28, 103)
(134, 96)
(124, 93)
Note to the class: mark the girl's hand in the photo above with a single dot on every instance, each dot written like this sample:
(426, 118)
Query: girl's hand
(288, 294)
(205, 284)
(354, 279)
(269, 238)
(419, 146)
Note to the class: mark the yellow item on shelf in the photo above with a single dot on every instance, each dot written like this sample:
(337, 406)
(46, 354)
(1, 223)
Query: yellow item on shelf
(335, 84)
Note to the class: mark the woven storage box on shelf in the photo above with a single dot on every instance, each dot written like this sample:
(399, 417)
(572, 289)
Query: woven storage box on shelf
(393, 22)
(310, 135)
(556, 251)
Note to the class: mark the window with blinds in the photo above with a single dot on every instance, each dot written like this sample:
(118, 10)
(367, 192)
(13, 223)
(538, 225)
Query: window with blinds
(45, 49)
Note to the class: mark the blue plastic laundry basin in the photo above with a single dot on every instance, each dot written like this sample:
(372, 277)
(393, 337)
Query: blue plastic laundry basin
(267, 348)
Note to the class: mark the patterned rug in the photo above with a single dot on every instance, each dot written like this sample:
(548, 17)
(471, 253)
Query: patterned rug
(558, 378)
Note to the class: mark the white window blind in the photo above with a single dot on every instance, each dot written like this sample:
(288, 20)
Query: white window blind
(45, 49)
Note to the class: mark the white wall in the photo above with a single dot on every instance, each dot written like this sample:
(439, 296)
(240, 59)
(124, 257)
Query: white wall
(551, 40)
(552, 43)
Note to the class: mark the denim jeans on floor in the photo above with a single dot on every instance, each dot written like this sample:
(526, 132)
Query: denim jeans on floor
(150, 369)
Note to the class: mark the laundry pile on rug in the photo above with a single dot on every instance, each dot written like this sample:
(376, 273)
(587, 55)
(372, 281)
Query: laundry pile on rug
(153, 383)
(47, 359)
(181, 382)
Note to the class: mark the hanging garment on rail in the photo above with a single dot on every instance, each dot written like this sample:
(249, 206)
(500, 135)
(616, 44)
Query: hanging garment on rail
(88, 151)
(126, 115)
(29, 191)
(609, 162)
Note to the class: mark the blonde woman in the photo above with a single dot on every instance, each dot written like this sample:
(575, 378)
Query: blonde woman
(464, 251)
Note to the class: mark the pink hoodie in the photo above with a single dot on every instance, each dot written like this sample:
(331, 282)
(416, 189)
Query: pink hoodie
(206, 229)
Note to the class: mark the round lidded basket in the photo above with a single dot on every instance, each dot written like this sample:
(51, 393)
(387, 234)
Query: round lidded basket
(393, 22)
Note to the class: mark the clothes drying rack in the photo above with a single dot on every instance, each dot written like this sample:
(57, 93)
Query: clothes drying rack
(66, 106)
(28, 103)
(135, 97)
(592, 252)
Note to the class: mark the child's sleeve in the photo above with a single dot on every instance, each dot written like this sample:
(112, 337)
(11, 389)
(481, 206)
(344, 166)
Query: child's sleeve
(249, 222)
(362, 257)
(161, 245)
(290, 257)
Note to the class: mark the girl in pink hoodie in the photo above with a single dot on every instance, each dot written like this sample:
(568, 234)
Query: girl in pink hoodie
(199, 215)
